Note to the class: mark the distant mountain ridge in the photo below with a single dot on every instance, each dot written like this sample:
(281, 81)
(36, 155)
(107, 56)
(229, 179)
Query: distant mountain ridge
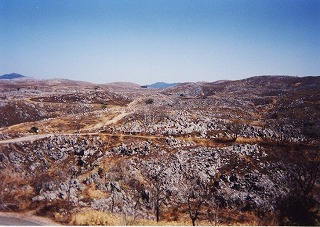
(160, 85)
(11, 76)
(257, 85)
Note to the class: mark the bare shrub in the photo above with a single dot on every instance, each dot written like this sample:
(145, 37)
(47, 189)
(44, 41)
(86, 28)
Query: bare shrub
(149, 101)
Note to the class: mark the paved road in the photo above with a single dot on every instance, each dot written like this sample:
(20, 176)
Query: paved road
(15, 221)
(25, 138)
(25, 219)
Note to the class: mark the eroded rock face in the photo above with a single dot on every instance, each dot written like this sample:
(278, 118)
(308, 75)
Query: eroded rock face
(233, 181)
(65, 190)
(233, 188)
(142, 148)
(239, 176)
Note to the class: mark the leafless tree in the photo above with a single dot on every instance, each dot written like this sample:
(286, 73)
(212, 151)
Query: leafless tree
(159, 190)
(234, 128)
(196, 190)
(305, 171)
(114, 193)
(300, 207)
(139, 195)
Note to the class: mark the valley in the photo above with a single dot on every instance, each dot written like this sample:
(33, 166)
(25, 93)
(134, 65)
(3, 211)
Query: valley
(242, 152)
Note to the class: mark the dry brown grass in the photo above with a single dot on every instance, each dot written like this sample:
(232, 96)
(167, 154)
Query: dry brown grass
(95, 194)
(144, 222)
(93, 217)
(15, 193)
(257, 123)
(248, 140)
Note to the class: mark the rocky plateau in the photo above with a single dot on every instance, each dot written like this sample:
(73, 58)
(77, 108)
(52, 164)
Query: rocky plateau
(243, 152)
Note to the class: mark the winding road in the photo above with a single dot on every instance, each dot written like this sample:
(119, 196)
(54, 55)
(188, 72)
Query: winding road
(122, 112)
(24, 219)
(15, 221)
(25, 138)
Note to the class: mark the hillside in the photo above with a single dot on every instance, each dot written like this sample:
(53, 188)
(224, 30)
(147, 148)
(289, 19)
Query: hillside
(242, 152)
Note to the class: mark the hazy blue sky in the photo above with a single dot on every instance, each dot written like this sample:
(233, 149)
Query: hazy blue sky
(145, 41)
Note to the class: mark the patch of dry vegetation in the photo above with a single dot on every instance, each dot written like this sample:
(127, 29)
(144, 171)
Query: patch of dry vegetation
(93, 217)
